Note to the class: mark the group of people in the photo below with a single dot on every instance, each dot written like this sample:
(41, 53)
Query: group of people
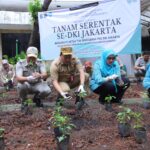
(67, 72)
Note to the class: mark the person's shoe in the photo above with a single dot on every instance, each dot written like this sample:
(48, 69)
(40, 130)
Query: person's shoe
(37, 101)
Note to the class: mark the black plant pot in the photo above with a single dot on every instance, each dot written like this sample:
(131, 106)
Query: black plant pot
(124, 129)
(108, 107)
(63, 145)
(79, 102)
(2, 144)
(140, 135)
(146, 104)
(29, 110)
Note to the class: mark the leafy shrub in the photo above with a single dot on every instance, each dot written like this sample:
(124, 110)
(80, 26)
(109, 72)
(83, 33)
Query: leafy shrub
(62, 122)
(33, 8)
(109, 98)
(125, 116)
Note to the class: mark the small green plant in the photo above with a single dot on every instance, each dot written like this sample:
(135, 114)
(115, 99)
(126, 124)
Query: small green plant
(31, 63)
(14, 60)
(82, 94)
(62, 122)
(3, 95)
(109, 98)
(137, 116)
(144, 95)
(2, 132)
(29, 102)
(34, 7)
(125, 116)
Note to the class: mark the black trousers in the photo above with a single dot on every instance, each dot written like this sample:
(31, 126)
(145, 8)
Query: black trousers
(108, 88)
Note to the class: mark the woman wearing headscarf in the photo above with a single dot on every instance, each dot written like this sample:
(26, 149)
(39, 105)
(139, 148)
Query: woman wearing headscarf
(146, 81)
(106, 79)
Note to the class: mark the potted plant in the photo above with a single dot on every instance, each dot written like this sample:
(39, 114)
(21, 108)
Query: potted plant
(62, 128)
(29, 107)
(139, 130)
(124, 118)
(108, 104)
(2, 145)
(146, 100)
(80, 100)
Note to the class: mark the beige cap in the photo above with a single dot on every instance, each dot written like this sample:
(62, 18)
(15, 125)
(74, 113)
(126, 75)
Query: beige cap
(32, 52)
(4, 61)
(66, 50)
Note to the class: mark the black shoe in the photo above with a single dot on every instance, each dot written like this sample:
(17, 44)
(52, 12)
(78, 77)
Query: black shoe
(37, 101)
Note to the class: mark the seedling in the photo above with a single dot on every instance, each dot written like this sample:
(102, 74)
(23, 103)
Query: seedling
(2, 132)
(137, 116)
(29, 102)
(109, 98)
(63, 123)
(144, 95)
(80, 100)
(3, 95)
(31, 62)
(60, 102)
(125, 116)
(82, 94)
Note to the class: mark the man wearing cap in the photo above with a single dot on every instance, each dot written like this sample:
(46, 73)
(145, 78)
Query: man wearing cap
(30, 74)
(7, 74)
(67, 73)
(88, 67)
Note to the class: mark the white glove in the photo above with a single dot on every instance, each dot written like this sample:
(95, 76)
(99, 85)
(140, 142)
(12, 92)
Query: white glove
(143, 67)
(30, 78)
(6, 80)
(66, 96)
(112, 77)
(81, 89)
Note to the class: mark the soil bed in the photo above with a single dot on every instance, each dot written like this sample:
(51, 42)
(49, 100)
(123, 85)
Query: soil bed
(96, 129)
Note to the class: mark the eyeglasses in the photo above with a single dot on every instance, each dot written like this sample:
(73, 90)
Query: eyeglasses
(111, 58)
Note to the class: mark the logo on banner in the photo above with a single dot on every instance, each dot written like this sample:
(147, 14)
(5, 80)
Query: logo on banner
(48, 14)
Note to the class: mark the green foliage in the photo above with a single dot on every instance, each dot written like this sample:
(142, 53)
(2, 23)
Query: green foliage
(137, 120)
(5, 57)
(31, 62)
(144, 95)
(14, 60)
(29, 102)
(109, 98)
(82, 94)
(3, 95)
(125, 116)
(62, 122)
(60, 102)
(34, 7)
(2, 132)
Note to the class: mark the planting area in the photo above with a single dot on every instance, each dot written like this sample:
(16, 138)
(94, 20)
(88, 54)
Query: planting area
(96, 128)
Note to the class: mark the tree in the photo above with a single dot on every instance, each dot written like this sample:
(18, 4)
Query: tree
(35, 37)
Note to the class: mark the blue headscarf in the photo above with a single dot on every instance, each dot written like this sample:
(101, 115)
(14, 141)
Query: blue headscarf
(109, 69)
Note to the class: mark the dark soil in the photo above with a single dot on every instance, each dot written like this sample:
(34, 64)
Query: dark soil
(96, 129)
